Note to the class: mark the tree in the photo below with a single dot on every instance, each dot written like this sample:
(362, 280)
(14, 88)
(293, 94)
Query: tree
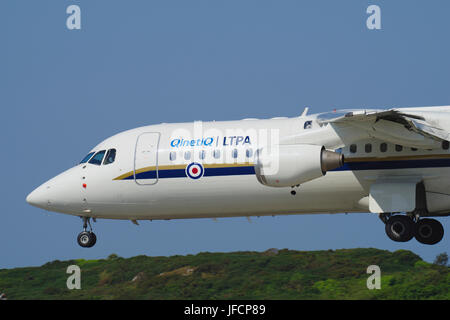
(113, 256)
(441, 259)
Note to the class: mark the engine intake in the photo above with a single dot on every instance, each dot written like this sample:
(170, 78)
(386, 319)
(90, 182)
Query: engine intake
(295, 164)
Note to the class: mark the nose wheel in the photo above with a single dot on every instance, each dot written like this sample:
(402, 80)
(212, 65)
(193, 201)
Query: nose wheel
(86, 239)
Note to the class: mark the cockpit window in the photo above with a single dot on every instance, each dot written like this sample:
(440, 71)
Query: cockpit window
(97, 159)
(110, 156)
(307, 125)
(86, 159)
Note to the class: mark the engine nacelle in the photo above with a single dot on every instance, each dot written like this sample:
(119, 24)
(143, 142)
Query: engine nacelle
(295, 164)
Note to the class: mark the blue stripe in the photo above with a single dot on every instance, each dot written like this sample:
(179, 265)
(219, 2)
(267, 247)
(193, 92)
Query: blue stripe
(349, 166)
(397, 164)
(229, 171)
(181, 173)
(170, 173)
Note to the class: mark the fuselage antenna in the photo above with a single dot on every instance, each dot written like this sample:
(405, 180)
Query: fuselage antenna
(304, 112)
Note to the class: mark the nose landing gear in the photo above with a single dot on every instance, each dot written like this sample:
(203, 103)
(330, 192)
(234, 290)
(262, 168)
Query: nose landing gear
(86, 239)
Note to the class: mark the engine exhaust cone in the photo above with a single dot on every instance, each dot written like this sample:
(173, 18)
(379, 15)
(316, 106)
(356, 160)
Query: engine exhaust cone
(331, 160)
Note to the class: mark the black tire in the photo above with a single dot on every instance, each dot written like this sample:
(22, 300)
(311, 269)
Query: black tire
(86, 239)
(400, 228)
(93, 240)
(429, 231)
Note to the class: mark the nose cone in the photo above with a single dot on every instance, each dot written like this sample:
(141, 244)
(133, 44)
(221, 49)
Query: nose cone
(62, 194)
(38, 198)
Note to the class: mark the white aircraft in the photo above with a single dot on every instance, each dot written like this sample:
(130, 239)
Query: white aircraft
(394, 162)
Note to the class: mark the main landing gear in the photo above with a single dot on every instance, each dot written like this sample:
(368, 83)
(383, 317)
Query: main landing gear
(402, 228)
(87, 239)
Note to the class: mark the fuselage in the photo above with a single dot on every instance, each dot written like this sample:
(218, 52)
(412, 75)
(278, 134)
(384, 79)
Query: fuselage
(206, 170)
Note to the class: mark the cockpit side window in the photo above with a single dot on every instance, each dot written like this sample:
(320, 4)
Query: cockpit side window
(97, 159)
(86, 159)
(307, 125)
(110, 156)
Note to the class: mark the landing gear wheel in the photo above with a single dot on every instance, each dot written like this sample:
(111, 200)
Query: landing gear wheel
(87, 239)
(400, 228)
(429, 231)
(94, 239)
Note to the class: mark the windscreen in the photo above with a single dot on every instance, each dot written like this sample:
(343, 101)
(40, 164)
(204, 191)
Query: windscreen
(86, 159)
(97, 159)
(110, 156)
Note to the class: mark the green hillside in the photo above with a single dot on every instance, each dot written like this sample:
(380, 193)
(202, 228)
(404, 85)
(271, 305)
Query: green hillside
(283, 274)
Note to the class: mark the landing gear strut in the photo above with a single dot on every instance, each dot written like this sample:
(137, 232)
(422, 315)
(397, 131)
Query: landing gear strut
(402, 228)
(87, 239)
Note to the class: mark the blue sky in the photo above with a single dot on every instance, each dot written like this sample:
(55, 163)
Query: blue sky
(142, 62)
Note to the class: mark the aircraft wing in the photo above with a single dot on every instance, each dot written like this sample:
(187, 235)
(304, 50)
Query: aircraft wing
(412, 129)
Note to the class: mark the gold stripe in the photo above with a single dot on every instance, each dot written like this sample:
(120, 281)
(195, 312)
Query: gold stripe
(123, 176)
(228, 165)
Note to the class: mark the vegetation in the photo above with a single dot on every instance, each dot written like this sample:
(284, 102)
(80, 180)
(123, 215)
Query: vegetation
(274, 274)
(441, 259)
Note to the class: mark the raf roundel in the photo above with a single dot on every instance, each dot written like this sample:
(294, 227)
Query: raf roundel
(195, 170)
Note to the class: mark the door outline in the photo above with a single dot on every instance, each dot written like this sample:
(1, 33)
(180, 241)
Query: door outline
(156, 162)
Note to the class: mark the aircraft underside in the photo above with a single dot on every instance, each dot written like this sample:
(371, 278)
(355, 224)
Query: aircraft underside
(337, 192)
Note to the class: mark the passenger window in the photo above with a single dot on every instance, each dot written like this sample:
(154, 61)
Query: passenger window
(234, 153)
(368, 147)
(216, 154)
(86, 159)
(249, 153)
(445, 145)
(173, 156)
(110, 156)
(353, 148)
(398, 148)
(383, 147)
(202, 154)
(187, 155)
(97, 159)
(307, 125)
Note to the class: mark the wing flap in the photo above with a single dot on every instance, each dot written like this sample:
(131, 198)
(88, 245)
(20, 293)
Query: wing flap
(368, 119)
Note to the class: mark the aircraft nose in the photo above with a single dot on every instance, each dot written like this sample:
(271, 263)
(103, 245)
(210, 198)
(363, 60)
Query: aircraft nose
(38, 198)
(62, 193)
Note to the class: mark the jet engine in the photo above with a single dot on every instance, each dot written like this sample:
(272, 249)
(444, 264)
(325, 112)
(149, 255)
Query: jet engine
(290, 165)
